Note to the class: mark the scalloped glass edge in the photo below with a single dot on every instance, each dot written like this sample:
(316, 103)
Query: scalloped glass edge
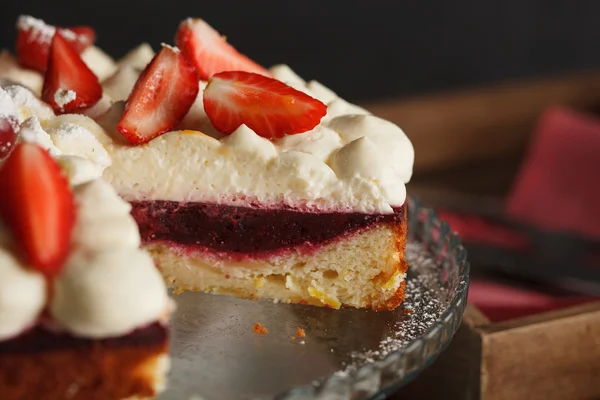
(377, 380)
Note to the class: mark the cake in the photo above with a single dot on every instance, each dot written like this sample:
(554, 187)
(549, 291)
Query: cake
(83, 310)
(243, 180)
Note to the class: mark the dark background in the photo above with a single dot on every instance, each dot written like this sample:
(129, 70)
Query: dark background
(362, 49)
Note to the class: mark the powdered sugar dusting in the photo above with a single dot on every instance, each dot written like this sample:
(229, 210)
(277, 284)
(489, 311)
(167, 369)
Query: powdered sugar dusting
(71, 130)
(22, 96)
(24, 99)
(41, 32)
(63, 97)
(76, 140)
(175, 49)
(423, 308)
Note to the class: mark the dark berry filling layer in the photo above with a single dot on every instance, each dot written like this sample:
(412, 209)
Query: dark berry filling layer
(246, 229)
(40, 339)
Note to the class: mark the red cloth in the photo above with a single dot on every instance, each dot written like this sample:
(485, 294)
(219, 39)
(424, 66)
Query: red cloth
(500, 302)
(475, 229)
(558, 186)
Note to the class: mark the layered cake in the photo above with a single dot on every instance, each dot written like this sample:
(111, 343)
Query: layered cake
(83, 310)
(243, 180)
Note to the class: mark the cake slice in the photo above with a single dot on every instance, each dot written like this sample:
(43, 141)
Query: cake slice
(83, 311)
(251, 181)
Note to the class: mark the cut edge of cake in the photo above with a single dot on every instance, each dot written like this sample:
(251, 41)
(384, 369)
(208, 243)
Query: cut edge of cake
(365, 269)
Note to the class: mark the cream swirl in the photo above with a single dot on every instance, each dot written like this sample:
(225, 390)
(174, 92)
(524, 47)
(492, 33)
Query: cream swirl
(109, 286)
(22, 293)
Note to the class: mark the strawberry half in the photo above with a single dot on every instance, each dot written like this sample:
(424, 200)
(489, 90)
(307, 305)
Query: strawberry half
(208, 51)
(69, 85)
(34, 37)
(161, 97)
(269, 107)
(37, 206)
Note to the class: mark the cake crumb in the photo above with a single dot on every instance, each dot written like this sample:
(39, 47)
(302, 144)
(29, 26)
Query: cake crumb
(259, 329)
(303, 342)
(300, 332)
(408, 311)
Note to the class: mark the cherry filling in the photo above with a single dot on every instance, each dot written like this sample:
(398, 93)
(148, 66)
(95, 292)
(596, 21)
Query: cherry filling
(246, 229)
(39, 339)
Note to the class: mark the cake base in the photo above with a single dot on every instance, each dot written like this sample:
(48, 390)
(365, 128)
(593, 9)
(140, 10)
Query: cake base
(365, 269)
(43, 366)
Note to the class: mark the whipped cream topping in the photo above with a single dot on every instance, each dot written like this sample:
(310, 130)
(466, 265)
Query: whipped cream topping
(335, 105)
(31, 131)
(318, 172)
(321, 169)
(139, 57)
(27, 104)
(320, 142)
(22, 293)
(100, 108)
(390, 141)
(79, 170)
(101, 64)
(108, 286)
(75, 140)
(120, 85)
(76, 166)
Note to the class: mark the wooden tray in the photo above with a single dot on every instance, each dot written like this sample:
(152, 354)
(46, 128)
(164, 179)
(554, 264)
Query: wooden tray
(554, 355)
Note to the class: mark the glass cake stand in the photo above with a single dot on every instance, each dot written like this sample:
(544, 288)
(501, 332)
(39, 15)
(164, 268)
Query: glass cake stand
(346, 354)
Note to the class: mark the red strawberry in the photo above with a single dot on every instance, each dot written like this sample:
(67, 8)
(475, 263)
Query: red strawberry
(161, 97)
(8, 135)
(84, 37)
(9, 124)
(34, 37)
(209, 52)
(269, 107)
(37, 206)
(69, 85)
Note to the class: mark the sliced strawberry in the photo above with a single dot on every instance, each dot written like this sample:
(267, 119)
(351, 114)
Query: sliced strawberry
(9, 124)
(269, 107)
(84, 37)
(34, 37)
(37, 206)
(8, 135)
(208, 51)
(69, 85)
(161, 97)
